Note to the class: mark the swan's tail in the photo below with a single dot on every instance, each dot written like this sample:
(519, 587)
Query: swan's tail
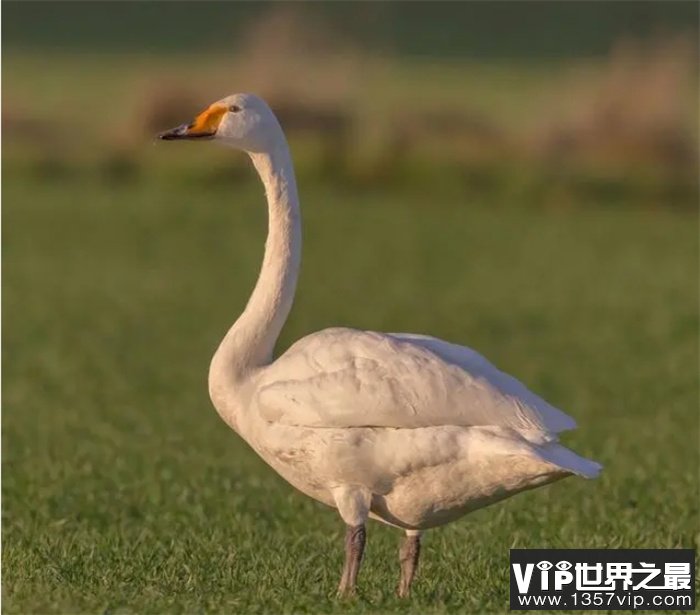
(568, 460)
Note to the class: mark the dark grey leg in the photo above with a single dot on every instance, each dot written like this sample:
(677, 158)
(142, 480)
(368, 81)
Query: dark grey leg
(408, 557)
(355, 538)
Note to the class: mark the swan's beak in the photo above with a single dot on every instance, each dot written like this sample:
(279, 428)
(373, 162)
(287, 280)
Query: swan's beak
(204, 125)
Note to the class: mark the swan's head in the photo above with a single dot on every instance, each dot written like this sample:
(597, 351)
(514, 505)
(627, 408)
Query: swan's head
(243, 121)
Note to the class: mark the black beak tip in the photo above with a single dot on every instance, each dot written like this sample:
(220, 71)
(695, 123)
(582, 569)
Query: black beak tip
(178, 132)
(183, 133)
(167, 135)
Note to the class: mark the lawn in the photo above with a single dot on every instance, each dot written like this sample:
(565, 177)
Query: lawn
(124, 492)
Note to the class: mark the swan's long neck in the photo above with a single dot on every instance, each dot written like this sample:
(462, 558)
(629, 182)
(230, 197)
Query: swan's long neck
(251, 340)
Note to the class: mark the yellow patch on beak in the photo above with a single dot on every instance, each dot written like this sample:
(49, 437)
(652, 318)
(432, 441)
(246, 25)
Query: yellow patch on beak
(207, 122)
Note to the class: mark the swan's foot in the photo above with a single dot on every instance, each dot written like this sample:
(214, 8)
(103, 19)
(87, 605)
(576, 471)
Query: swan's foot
(408, 557)
(355, 538)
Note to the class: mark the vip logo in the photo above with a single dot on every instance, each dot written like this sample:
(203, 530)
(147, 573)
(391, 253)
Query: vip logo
(559, 576)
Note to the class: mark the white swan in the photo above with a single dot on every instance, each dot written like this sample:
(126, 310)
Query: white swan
(407, 429)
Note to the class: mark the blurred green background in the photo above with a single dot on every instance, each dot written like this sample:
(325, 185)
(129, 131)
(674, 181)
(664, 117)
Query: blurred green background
(519, 177)
(542, 103)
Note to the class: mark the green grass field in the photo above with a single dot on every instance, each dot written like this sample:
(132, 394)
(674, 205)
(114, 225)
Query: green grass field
(124, 492)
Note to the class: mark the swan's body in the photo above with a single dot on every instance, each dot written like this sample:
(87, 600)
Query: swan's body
(388, 412)
(408, 429)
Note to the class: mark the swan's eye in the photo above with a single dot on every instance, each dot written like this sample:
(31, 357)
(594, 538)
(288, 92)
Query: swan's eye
(234, 108)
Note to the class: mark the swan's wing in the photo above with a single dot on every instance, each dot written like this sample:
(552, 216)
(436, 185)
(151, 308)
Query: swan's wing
(554, 419)
(347, 378)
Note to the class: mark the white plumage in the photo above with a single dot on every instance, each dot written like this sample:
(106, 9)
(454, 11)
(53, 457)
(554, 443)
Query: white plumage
(349, 378)
(408, 429)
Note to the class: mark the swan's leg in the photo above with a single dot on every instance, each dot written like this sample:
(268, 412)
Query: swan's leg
(354, 548)
(408, 557)
(353, 505)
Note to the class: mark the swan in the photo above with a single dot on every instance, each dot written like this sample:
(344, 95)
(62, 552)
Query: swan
(407, 429)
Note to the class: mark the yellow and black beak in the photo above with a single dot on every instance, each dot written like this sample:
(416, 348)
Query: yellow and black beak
(204, 125)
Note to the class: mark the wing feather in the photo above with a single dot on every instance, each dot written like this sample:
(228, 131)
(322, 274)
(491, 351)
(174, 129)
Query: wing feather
(341, 378)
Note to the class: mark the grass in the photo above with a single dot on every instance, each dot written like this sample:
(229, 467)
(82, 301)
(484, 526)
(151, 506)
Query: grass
(124, 492)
